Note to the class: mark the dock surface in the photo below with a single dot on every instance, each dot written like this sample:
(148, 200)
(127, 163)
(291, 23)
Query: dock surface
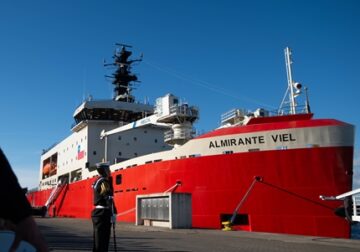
(67, 234)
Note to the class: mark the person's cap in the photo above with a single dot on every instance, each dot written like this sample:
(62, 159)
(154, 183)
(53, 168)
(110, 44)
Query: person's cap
(101, 166)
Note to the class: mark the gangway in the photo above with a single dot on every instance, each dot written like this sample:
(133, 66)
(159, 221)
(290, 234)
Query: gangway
(43, 210)
(351, 203)
(55, 193)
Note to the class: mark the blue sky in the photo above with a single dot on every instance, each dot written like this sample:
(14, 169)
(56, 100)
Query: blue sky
(217, 55)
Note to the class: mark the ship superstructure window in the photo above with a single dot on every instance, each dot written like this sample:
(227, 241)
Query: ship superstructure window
(228, 152)
(119, 138)
(108, 114)
(76, 175)
(118, 179)
(94, 153)
(64, 178)
(49, 166)
(155, 140)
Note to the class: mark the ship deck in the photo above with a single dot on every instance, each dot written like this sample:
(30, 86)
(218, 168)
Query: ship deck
(67, 234)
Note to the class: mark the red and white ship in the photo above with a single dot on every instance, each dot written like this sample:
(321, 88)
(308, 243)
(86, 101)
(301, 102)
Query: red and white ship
(259, 171)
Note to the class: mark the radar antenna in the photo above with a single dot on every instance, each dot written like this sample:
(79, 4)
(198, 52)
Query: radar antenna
(122, 78)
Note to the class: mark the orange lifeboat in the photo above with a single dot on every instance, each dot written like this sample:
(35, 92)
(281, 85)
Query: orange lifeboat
(46, 169)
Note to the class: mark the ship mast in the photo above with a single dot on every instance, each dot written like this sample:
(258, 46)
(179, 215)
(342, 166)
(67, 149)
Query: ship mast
(122, 78)
(294, 88)
(290, 80)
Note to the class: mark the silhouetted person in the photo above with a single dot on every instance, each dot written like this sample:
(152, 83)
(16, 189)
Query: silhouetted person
(16, 208)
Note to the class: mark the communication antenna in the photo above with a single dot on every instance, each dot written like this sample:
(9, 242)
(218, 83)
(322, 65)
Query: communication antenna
(122, 78)
(290, 80)
(294, 88)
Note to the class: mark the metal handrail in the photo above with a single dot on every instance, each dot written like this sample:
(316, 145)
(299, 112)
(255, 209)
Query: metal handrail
(184, 109)
(356, 208)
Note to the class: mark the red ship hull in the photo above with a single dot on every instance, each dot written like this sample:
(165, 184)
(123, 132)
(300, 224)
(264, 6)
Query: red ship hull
(285, 201)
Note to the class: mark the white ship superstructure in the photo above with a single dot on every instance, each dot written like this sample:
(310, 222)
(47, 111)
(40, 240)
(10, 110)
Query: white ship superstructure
(116, 130)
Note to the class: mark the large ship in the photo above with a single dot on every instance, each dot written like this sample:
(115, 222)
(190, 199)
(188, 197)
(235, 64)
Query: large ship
(259, 171)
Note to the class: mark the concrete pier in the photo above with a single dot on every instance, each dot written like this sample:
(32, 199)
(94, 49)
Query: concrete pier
(64, 234)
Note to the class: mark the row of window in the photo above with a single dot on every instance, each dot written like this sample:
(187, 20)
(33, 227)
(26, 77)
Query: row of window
(135, 139)
(74, 145)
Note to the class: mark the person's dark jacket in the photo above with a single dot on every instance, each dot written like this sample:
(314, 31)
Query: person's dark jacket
(14, 206)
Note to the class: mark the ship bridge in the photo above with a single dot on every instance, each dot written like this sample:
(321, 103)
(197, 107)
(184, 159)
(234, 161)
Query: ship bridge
(110, 110)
